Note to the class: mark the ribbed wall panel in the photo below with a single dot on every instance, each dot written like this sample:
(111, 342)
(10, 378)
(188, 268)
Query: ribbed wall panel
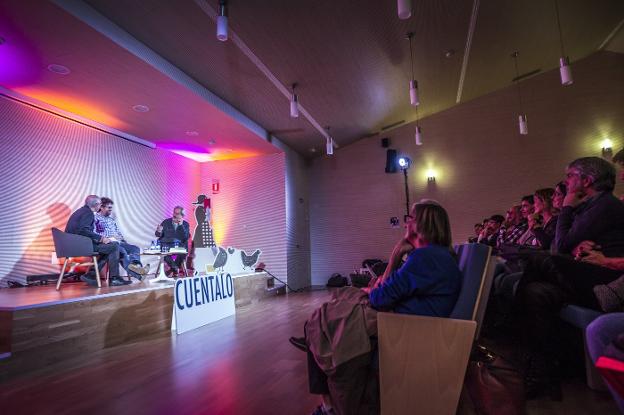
(50, 164)
(483, 165)
(249, 212)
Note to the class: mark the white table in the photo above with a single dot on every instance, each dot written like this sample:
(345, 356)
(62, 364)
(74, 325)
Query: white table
(160, 268)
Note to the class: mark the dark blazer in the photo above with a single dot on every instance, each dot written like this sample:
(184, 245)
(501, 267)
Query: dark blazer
(81, 222)
(169, 234)
(599, 219)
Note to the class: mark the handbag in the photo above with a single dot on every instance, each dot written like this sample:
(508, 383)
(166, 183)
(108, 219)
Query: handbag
(493, 384)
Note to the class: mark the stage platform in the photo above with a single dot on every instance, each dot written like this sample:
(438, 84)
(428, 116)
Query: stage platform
(39, 325)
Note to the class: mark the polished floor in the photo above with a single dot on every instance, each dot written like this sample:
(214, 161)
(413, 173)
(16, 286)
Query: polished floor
(239, 365)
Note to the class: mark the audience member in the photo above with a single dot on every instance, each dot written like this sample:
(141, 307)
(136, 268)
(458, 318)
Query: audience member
(590, 213)
(478, 227)
(489, 234)
(543, 222)
(427, 283)
(618, 160)
(526, 210)
(172, 231)
(106, 225)
(82, 222)
(515, 227)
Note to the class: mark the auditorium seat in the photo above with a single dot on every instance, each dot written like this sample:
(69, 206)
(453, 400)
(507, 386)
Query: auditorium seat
(423, 360)
(580, 317)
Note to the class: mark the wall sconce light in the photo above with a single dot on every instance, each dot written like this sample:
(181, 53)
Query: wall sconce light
(607, 148)
(431, 176)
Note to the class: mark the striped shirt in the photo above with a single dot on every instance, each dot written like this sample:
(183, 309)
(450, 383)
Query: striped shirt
(107, 227)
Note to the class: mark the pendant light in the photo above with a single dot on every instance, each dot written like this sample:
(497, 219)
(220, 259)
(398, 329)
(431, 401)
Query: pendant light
(564, 62)
(222, 21)
(522, 118)
(294, 103)
(329, 144)
(413, 84)
(404, 9)
(418, 135)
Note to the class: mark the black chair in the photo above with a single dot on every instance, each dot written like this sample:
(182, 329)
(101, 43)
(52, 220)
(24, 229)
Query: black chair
(69, 245)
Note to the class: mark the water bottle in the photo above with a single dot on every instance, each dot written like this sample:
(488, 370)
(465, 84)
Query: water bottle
(153, 245)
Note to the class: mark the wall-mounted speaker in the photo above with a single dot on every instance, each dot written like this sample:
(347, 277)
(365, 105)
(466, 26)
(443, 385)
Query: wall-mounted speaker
(385, 142)
(391, 161)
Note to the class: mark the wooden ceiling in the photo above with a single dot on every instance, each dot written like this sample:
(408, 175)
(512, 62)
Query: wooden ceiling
(350, 58)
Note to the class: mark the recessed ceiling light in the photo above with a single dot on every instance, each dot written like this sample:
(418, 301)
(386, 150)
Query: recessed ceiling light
(140, 108)
(192, 133)
(58, 69)
(313, 150)
(449, 53)
(212, 141)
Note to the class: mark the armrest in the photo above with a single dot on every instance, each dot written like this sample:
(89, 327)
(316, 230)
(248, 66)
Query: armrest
(422, 362)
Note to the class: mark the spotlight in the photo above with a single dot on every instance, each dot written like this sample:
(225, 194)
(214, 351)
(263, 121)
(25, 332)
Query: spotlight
(431, 176)
(404, 163)
(222, 21)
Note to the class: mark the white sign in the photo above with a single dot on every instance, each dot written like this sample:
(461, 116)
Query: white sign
(228, 260)
(200, 300)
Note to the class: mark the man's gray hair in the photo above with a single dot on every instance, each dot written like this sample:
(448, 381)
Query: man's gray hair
(600, 170)
(181, 209)
(92, 200)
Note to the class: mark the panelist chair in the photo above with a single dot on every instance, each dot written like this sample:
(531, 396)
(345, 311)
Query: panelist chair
(423, 360)
(69, 245)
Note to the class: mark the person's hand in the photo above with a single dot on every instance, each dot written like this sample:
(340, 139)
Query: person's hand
(403, 247)
(596, 258)
(583, 248)
(573, 199)
(159, 228)
(105, 240)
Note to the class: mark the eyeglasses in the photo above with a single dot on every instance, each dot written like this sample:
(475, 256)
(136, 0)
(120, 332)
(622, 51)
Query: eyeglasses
(407, 218)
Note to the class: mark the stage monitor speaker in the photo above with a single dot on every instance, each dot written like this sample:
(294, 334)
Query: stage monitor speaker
(391, 161)
(385, 142)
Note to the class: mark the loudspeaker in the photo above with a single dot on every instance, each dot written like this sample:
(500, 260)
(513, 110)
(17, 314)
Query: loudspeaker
(385, 142)
(391, 161)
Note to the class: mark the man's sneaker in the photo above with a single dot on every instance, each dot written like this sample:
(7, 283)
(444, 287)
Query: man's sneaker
(139, 269)
(90, 280)
(117, 281)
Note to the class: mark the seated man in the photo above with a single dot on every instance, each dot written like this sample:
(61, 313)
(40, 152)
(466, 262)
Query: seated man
(106, 225)
(590, 213)
(489, 234)
(514, 227)
(171, 232)
(82, 222)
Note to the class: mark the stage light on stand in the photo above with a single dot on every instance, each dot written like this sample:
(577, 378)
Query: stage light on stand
(222, 21)
(294, 103)
(404, 163)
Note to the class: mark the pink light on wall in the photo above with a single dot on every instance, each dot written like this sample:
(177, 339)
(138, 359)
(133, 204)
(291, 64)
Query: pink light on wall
(20, 63)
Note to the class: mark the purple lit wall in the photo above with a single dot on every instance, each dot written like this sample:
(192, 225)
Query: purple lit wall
(50, 164)
(249, 211)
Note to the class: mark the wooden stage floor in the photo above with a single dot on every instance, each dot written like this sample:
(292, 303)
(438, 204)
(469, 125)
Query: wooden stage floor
(240, 365)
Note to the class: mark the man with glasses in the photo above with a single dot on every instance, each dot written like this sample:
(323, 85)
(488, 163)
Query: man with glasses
(82, 222)
(172, 231)
(106, 225)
